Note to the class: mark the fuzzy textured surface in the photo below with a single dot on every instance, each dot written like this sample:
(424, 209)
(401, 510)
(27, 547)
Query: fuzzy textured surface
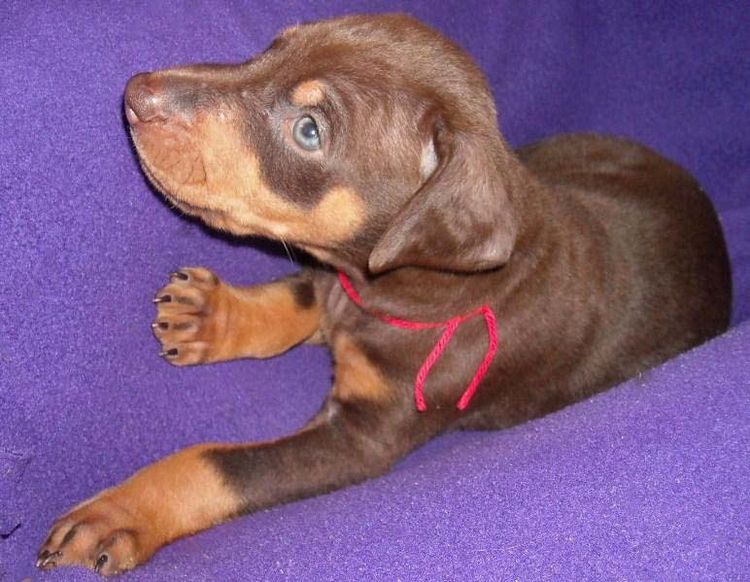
(650, 480)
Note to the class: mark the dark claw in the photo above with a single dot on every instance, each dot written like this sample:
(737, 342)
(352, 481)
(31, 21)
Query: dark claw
(41, 558)
(168, 353)
(163, 299)
(179, 275)
(45, 559)
(100, 561)
(160, 325)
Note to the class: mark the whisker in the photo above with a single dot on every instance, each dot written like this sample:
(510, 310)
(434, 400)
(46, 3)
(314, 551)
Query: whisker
(289, 253)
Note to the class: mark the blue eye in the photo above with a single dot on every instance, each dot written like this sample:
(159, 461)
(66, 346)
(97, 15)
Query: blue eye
(306, 133)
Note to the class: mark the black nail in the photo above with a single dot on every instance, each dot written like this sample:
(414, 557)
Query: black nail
(45, 559)
(163, 299)
(41, 558)
(100, 561)
(168, 353)
(179, 275)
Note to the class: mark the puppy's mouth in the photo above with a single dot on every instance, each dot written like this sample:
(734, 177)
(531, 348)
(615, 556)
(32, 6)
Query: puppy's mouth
(176, 197)
(175, 188)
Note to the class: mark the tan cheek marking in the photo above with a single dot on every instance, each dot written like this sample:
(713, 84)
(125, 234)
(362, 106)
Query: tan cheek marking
(356, 377)
(308, 93)
(337, 217)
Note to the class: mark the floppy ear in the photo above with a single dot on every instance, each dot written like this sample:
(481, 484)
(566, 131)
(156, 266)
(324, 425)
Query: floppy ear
(461, 219)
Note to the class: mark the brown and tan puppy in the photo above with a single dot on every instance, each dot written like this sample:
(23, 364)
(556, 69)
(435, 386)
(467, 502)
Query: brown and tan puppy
(371, 142)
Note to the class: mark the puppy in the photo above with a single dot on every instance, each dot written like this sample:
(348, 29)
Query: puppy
(462, 285)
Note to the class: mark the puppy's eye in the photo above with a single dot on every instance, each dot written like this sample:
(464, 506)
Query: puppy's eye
(306, 133)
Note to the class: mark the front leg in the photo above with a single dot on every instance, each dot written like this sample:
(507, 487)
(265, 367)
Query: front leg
(201, 486)
(364, 427)
(201, 319)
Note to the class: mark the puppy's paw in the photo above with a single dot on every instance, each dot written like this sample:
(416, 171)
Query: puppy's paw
(98, 534)
(191, 317)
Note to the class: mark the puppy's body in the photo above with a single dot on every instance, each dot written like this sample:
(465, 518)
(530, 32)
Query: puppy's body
(605, 229)
(598, 258)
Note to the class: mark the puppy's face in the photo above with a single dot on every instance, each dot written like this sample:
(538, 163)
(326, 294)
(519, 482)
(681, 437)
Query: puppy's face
(321, 140)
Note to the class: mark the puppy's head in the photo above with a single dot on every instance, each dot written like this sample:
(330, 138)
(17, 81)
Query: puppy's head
(369, 141)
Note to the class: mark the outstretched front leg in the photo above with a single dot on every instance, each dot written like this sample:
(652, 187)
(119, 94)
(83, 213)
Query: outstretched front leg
(365, 425)
(201, 319)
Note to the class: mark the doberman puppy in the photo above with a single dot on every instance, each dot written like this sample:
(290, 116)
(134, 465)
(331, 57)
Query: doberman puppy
(536, 278)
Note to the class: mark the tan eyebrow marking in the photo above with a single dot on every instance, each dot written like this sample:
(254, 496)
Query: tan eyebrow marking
(308, 93)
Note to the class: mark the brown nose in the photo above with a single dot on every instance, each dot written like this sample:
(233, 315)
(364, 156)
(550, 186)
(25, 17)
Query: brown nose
(144, 100)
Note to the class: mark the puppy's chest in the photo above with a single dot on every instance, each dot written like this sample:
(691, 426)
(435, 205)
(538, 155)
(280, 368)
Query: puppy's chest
(342, 316)
(397, 352)
(343, 322)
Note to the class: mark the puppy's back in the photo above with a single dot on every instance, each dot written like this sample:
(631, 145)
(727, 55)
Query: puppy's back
(661, 229)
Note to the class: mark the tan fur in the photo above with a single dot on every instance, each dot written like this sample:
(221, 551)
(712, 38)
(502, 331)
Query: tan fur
(308, 93)
(179, 495)
(221, 322)
(357, 378)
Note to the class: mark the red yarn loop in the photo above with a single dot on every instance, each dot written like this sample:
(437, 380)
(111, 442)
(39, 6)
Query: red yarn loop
(450, 325)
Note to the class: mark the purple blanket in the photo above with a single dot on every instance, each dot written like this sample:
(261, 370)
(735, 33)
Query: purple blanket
(650, 480)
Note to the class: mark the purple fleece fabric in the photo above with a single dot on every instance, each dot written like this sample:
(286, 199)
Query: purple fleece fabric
(648, 481)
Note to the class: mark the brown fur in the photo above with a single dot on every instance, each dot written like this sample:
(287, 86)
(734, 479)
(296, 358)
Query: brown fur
(599, 258)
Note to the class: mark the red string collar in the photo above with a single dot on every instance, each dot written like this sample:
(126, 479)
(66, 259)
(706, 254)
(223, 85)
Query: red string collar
(450, 325)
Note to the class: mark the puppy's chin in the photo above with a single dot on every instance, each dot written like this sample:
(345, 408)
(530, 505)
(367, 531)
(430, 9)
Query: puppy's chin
(211, 217)
(222, 220)
(171, 161)
(175, 197)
